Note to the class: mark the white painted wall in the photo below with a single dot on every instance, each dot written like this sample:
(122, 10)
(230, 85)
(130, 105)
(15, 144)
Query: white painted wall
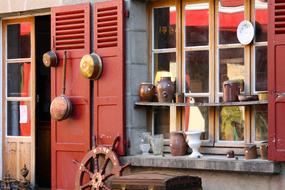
(1, 162)
(9, 6)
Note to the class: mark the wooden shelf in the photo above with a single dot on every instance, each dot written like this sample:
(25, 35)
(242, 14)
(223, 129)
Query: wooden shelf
(244, 103)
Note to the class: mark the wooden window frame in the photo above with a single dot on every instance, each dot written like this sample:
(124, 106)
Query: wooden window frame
(214, 95)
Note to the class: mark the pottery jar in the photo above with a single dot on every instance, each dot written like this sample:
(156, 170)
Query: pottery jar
(146, 92)
(263, 150)
(165, 90)
(250, 151)
(178, 144)
(231, 90)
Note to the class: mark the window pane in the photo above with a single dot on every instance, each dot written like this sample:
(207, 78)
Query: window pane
(231, 121)
(197, 71)
(261, 68)
(18, 118)
(162, 121)
(231, 65)
(231, 13)
(166, 64)
(19, 40)
(261, 122)
(197, 118)
(164, 27)
(18, 79)
(197, 24)
(261, 20)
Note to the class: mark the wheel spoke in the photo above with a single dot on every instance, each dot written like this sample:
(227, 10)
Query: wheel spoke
(96, 163)
(86, 185)
(107, 176)
(105, 187)
(103, 169)
(87, 171)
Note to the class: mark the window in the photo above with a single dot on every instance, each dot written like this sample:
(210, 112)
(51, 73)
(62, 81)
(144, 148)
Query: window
(195, 42)
(18, 69)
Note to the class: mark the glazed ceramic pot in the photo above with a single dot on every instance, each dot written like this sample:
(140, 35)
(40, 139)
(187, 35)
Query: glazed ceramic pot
(231, 90)
(263, 150)
(146, 92)
(250, 151)
(178, 144)
(165, 90)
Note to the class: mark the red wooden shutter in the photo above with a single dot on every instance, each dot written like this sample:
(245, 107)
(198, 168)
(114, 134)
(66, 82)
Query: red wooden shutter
(276, 80)
(70, 27)
(109, 89)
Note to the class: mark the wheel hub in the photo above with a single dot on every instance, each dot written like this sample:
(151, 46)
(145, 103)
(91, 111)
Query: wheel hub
(97, 180)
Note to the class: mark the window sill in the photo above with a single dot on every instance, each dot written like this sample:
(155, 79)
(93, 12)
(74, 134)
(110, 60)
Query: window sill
(244, 103)
(207, 162)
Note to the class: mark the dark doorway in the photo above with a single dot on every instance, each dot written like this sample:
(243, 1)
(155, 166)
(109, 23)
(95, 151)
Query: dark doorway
(43, 131)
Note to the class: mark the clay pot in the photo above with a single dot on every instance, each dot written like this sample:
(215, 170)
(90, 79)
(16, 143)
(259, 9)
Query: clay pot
(264, 150)
(146, 92)
(231, 90)
(178, 144)
(250, 151)
(165, 90)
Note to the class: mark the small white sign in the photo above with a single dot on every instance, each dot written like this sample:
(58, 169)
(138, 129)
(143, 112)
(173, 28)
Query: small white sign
(23, 114)
(245, 32)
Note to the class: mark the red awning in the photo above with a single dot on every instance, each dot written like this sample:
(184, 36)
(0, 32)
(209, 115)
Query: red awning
(199, 18)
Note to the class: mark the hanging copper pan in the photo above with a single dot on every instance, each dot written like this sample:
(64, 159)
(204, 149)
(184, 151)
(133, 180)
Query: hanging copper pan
(91, 66)
(61, 106)
(50, 59)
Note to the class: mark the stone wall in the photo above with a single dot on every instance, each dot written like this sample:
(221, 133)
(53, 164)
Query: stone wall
(136, 70)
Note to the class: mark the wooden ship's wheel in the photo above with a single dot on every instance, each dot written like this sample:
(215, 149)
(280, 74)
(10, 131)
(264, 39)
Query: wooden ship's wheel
(93, 172)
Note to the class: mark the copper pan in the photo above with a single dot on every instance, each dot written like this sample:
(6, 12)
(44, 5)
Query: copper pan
(61, 106)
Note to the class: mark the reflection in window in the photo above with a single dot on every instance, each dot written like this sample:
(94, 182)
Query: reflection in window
(231, 120)
(261, 122)
(261, 68)
(164, 27)
(197, 118)
(197, 24)
(197, 71)
(231, 65)
(162, 121)
(231, 13)
(18, 79)
(19, 40)
(261, 21)
(18, 118)
(165, 62)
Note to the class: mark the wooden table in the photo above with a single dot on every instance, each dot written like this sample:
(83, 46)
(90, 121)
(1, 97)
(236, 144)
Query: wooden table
(155, 180)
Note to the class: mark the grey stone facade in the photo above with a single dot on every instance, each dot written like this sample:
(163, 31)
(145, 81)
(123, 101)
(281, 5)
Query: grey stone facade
(136, 70)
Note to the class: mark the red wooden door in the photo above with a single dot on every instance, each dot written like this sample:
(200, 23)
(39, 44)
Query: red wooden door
(70, 138)
(109, 89)
(276, 80)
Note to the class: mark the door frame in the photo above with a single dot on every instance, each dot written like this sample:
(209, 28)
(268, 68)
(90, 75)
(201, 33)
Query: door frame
(18, 140)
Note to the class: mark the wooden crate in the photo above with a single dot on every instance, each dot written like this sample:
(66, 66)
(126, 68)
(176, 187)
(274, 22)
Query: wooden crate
(155, 180)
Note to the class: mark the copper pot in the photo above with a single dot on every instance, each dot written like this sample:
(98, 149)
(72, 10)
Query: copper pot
(61, 106)
(146, 92)
(91, 66)
(178, 144)
(231, 90)
(250, 151)
(264, 150)
(165, 89)
(50, 59)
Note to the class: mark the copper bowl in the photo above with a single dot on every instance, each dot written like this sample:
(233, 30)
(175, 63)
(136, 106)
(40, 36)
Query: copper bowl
(50, 59)
(91, 66)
